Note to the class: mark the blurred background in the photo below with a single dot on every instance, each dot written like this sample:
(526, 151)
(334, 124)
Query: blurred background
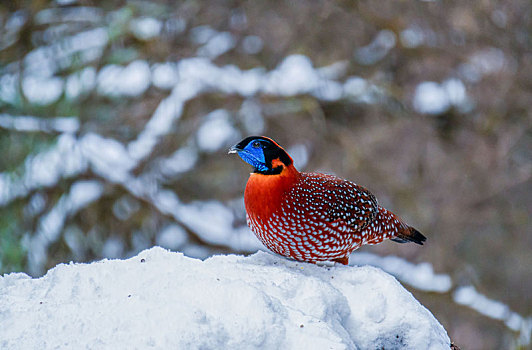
(116, 117)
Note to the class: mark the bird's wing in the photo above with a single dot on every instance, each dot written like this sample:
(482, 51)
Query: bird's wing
(344, 201)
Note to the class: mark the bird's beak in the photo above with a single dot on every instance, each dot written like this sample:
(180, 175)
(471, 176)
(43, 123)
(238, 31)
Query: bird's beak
(234, 149)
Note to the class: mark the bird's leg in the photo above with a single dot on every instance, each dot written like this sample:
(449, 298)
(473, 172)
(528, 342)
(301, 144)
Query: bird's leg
(343, 261)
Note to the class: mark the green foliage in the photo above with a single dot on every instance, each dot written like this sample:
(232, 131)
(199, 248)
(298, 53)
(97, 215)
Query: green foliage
(12, 252)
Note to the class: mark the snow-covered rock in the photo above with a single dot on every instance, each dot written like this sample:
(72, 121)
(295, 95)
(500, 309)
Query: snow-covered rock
(164, 300)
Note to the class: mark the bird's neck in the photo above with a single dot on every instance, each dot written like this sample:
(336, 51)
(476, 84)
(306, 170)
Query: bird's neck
(264, 192)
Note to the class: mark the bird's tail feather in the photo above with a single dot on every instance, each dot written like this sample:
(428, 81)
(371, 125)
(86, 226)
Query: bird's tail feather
(409, 235)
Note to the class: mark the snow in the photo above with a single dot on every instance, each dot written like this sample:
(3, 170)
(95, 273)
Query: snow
(295, 75)
(107, 156)
(113, 248)
(485, 62)
(299, 154)
(164, 75)
(355, 86)
(412, 36)
(489, 60)
(163, 299)
(132, 80)
(216, 131)
(50, 225)
(68, 14)
(468, 295)
(47, 167)
(42, 91)
(456, 91)
(377, 49)
(182, 160)
(251, 113)
(214, 223)
(81, 82)
(430, 98)
(172, 237)
(16, 21)
(125, 207)
(201, 34)
(421, 276)
(145, 28)
(44, 61)
(9, 88)
(433, 98)
(219, 44)
(252, 44)
(499, 17)
(31, 123)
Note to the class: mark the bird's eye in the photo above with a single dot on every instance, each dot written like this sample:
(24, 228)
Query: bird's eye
(256, 144)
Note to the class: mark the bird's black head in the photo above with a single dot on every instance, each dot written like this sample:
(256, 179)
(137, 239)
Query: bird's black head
(263, 154)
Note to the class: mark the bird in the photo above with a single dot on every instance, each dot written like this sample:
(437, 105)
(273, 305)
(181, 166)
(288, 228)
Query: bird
(311, 217)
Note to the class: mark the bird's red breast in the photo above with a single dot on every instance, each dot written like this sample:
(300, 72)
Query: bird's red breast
(264, 193)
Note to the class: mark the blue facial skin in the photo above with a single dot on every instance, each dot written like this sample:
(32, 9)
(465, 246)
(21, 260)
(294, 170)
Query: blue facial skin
(254, 156)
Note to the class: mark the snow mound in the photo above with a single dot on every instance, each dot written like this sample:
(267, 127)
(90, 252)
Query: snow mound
(160, 299)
